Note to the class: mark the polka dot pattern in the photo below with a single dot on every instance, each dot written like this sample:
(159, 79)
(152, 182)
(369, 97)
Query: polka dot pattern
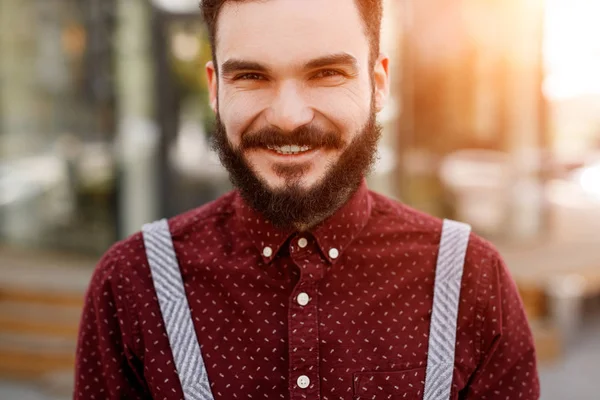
(361, 334)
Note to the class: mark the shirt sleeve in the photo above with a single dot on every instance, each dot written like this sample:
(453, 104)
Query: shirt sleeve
(104, 367)
(507, 368)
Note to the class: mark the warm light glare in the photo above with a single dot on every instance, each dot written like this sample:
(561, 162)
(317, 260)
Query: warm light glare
(186, 47)
(572, 48)
(589, 179)
(177, 6)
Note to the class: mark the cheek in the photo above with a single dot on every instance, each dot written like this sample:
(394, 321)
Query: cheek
(237, 113)
(347, 108)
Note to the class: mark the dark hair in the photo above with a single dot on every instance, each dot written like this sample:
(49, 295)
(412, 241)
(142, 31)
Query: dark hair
(370, 11)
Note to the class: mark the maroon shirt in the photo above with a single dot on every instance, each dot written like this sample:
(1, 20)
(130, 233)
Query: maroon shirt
(348, 305)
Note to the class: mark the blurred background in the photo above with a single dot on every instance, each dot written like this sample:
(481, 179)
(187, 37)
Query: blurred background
(104, 121)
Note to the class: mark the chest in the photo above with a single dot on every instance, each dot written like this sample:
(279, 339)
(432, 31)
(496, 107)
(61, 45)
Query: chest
(357, 329)
(311, 326)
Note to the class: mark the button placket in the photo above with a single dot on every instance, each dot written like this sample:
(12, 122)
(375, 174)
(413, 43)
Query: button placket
(303, 330)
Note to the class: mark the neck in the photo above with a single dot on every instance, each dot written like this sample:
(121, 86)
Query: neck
(306, 226)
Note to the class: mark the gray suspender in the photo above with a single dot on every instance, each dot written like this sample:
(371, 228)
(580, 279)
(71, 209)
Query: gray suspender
(446, 295)
(184, 344)
(176, 311)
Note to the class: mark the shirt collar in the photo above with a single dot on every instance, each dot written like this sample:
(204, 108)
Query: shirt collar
(333, 235)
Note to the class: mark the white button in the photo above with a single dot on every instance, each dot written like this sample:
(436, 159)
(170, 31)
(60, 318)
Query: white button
(303, 299)
(334, 253)
(303, 381)
(302, 242)
(267, 251)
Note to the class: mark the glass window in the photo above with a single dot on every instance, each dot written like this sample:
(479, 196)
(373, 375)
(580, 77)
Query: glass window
(194, 172)
(57, 175)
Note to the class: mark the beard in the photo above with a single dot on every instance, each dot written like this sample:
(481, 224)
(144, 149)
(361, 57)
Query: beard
(292, 205)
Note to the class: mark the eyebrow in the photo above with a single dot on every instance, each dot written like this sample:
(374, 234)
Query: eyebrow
(231, 66)
(341, 59)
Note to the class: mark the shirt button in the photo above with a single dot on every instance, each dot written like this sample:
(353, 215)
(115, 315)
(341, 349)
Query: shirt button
(303, 299)
(267, 251)
(334, 253)
(302, 242)
(303, 382)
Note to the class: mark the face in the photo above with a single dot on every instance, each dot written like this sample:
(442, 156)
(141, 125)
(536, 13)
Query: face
(296, 96)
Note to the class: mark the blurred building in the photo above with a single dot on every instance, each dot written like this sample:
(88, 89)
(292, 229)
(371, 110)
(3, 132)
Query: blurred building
(57, 119)
(494, 119)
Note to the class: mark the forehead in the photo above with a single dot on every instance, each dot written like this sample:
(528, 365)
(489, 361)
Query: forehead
(278, 31)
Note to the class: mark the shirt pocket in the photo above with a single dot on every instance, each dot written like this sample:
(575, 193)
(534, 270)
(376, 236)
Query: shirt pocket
(397, 385)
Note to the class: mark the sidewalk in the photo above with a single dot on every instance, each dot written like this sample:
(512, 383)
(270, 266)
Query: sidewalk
(25, 391)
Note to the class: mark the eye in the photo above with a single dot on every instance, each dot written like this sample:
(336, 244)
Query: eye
(327, 73)
(250, 76)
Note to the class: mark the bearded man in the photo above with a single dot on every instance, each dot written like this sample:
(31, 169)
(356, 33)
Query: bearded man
(302, 283)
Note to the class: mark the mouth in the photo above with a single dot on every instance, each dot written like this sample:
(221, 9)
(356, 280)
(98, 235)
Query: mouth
(290, 150)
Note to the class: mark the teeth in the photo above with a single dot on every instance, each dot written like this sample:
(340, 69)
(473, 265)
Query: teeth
(289, 149)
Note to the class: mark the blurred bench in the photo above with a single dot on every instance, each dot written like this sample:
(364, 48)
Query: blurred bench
(41, 297)
(554, 280)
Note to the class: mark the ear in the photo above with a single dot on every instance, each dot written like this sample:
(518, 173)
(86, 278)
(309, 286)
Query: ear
(212, 77)
(381, 81)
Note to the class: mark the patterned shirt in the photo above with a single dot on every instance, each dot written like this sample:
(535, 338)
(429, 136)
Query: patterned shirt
(338, 312)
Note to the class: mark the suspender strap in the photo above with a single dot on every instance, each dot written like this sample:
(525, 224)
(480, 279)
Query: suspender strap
(175, 311)
(442, 333)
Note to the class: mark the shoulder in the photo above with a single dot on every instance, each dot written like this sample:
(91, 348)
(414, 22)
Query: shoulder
(217, 212)
(114, 266)
(403, 217)
(423, 230)
(125, 261)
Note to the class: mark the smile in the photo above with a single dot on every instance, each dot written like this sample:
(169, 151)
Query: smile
(290, 149)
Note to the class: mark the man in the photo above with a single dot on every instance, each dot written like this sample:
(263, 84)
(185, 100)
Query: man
(301, 284)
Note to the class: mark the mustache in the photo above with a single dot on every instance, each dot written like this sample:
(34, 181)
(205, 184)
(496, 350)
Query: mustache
(301, 136)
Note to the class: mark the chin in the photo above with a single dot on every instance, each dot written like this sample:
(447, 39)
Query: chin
(277, 183)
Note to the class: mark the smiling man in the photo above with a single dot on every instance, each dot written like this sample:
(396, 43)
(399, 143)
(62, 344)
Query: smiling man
(302, 283)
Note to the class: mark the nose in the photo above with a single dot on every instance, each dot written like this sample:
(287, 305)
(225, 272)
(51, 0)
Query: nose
(289, 110)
